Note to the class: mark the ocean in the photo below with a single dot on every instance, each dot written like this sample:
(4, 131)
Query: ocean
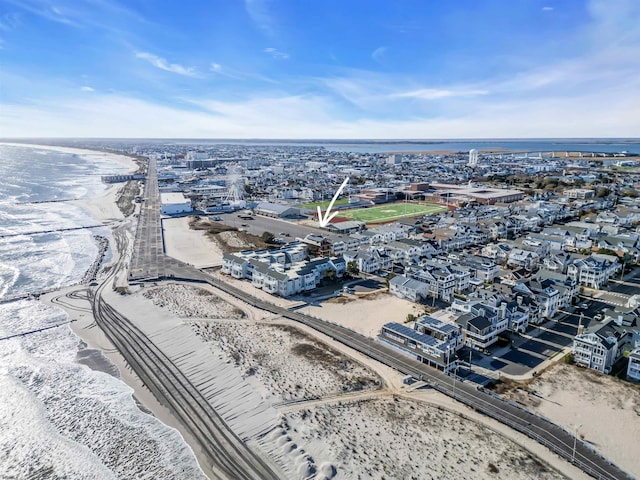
(58, 417)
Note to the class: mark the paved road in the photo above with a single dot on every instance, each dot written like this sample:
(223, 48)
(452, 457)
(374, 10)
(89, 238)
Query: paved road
(543, 431)
(627, 287)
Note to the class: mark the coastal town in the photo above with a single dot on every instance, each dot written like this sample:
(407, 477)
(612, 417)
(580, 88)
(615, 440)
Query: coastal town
(495, 268)
(516, 259)
(466, 287)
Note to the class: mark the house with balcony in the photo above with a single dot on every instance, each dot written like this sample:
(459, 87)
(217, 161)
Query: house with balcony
(392, 231)
(523, 259)
(443, 331)
(318, 245)
(498, 252)
(600, 348)
(557, 263)
(435, 352)
(461, 274)
(369, 260)
(594, 271)
(341, 244)
(402, 253)
(442, 281)
(480, 267)
(285, 271)
(480, 324)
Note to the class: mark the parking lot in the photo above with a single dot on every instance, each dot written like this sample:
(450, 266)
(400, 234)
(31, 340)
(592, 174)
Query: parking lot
(288, 231)
(528, 351)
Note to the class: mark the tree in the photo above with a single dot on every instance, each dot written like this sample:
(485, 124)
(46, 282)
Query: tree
(410, 318)
(607, 251)
(267, 237)
(389, 278)
(330, 275)
(352, 268)
(603, 192)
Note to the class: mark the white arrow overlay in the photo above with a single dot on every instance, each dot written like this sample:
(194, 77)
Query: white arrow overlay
(327, 218)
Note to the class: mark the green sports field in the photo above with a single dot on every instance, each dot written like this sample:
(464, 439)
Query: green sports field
(391, 211)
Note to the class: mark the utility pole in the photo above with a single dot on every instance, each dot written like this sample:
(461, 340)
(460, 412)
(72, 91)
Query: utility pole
(575, 441)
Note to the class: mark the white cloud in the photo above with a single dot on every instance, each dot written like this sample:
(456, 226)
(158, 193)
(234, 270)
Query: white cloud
(547, 9)
(275, 53)
(260, 14)
(314, 116)
(379, 53)
(437, 93)
(87, 88)
(163, 64)
(216, 67)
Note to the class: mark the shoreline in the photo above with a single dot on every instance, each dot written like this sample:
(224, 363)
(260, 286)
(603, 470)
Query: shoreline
(122, 159)
(102, 355)
(94, 339)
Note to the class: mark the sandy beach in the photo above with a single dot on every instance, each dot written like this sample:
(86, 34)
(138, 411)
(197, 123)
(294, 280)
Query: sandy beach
(188, 245)
(326, 396)
(604, 410)
(103, 207)
(364, 315)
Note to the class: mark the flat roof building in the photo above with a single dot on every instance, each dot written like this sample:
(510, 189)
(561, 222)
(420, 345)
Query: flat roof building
(172, 203)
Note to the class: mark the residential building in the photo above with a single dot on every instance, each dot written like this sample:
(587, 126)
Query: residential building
(594, 271)
(579, 193)
(633, 369)
(408, 288)
(282, 272)
(600, 348)
(481, 324)
(523, 259)
(437, 353)
(318, 245)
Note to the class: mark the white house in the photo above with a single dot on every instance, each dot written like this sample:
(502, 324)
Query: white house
(593, 271)
(633, 369)
(408, 288)
(599, 349)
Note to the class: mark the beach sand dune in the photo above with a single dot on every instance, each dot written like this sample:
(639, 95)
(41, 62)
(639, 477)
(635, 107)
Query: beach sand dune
(288, 363)
(604, 409)
(400, 439)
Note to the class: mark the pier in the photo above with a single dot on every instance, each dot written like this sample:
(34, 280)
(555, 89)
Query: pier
(60, 200)
(37, 330)
(52, 230)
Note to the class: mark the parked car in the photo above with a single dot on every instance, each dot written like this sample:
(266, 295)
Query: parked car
(583, 306)
(217, 219)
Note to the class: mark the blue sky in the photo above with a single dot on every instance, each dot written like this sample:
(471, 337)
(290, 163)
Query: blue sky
(320, 69)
